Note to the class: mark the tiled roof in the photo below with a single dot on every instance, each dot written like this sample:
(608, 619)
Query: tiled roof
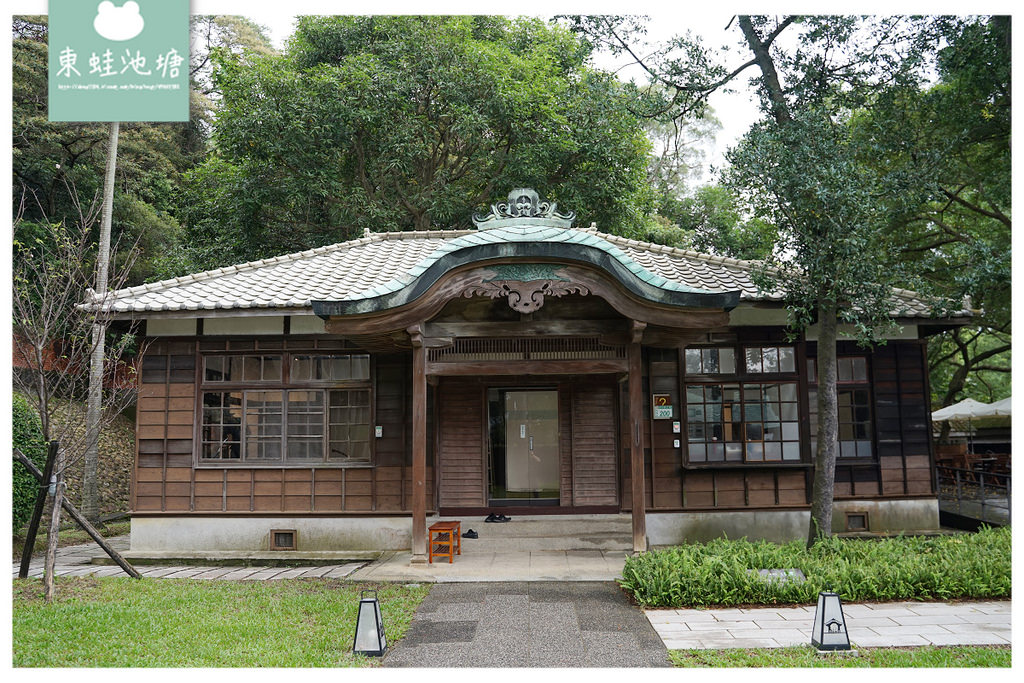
(383, 261)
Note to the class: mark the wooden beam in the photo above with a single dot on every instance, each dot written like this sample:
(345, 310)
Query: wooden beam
(459, 283)
(636, 417)
(528, 367)
(562, 328)
(419, 445)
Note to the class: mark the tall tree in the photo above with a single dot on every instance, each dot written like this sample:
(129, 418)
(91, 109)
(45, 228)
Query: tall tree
(399, 123)
(959, 235)
(49, 157)
(803, 168)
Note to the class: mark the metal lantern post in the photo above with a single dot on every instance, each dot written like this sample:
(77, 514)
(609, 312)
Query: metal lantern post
(829, 632)
(369, 639)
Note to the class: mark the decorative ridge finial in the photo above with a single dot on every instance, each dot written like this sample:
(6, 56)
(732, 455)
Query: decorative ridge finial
(523, 207)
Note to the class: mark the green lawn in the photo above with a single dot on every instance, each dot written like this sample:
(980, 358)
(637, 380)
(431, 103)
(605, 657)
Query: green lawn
(805, 656)
(113, 622)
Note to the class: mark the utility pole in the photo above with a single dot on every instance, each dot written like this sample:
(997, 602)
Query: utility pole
(90, 478)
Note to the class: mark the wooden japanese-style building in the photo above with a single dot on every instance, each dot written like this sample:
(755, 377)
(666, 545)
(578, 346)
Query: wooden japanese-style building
(349, 394)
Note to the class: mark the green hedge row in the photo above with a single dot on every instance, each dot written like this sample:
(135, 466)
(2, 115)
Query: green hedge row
(28, 436)
(903, 568)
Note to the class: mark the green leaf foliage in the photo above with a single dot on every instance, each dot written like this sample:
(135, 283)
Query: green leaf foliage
(724, 572)
(413, 122)
(27, 435)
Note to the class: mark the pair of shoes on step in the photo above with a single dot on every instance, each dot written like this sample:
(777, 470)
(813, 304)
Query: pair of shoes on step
(471, 534)
(497, 518)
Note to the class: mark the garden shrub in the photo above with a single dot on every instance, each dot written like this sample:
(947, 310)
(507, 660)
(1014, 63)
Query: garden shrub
(27, 435)
(903, 568)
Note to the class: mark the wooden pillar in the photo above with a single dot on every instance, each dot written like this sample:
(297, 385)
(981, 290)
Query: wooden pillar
(419, 446)
(636, 438)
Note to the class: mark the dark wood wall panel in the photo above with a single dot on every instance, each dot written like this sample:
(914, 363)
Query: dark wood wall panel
(565, 441)
(594, 445)
(461, 457)
(664, 483)
(166, 481)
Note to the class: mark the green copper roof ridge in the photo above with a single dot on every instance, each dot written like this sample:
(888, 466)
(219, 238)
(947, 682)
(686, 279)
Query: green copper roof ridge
(474, 239)
(525, 243)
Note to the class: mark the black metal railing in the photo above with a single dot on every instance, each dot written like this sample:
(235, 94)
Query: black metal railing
(974, 493)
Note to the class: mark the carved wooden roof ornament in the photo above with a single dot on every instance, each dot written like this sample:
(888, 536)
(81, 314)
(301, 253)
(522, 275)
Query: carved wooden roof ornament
(524, 285)
(523, 207)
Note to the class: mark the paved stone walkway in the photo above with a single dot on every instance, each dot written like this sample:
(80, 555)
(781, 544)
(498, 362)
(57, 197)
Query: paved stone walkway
(528, 624)
(77, 561)
(892, 624)
(519, 565)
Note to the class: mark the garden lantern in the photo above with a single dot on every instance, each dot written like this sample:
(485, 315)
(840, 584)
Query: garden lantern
(829, 632)
(370, 639)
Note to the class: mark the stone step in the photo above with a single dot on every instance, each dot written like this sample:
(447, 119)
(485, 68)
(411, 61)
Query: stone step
(549, 532)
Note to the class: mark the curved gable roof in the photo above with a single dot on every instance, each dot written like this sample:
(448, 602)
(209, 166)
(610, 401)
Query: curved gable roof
(525, 242)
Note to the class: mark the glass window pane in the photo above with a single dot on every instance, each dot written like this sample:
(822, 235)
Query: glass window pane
(336, 368)
(727, 361)
(787, 359)
(302, 368)
(697, 452)
(787, 392)
(361, 366)
(847, 449)
(271, 369)
(694, 393)
(770, 359)
(863, 449)
(752, 412)
(790, 451)
(693, 361)
(233, 370)
(787, 411)
(733, 452)
(709, 360)
(859, 370)
(790, 431)
(772, 431)
(754, 431)
(214, 368)
(844, 369)
(716, 452)
(753, 356)
(773, 451)
(755, 452)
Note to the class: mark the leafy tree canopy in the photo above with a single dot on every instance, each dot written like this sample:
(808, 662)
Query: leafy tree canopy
(58, 166)
(402, 123)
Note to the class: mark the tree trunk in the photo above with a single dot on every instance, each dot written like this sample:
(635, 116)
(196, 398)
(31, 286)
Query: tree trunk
(828, 426)
(90, 476)
(50, 562)
(769, 75)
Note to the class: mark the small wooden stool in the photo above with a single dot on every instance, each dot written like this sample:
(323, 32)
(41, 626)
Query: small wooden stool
(446, 537)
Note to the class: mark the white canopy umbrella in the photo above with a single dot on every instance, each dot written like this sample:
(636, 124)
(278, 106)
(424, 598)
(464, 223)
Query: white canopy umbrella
(964, 410)
(1001, 408)
(968, 409)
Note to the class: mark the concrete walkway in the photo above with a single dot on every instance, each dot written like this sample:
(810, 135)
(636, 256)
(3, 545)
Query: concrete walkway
(519, 565)
(77, 561)
(528, 624)
(891, 624)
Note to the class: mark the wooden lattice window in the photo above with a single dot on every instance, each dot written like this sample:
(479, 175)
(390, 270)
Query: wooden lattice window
(313, 410)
